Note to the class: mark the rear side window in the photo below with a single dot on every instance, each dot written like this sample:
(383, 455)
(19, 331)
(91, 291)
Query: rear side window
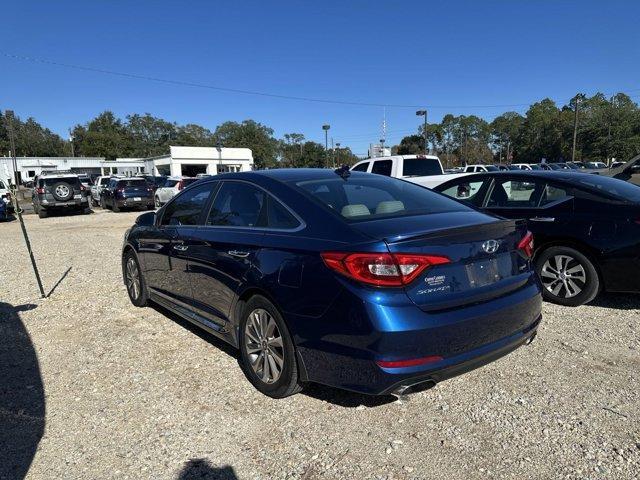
(419, 167)
(382, 167)
(240, 204)
(515, 194)
(185, 209)
(363, 197)
(363, 167)
(552, 193)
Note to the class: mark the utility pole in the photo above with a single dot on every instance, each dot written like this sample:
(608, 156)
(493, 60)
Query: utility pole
(338, 152)
(16, 208)
(576, 100)
(421, 113)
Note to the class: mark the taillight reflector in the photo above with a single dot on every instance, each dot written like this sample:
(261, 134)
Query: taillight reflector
(40, 190)
(526, 244)
(381, 269)
(413, 362)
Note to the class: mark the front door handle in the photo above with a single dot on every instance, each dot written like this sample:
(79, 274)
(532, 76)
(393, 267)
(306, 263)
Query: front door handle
(180, 248)
(543, 219)
(238, 253)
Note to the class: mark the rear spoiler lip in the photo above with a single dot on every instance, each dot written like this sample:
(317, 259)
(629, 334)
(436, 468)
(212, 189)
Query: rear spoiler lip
(499, 224)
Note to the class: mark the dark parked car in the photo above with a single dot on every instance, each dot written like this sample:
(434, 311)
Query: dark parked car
(57, 191)
(628, 171)
(358, 281)
(586, 227)
(127, 193)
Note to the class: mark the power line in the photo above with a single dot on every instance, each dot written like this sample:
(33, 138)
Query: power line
(252, 92)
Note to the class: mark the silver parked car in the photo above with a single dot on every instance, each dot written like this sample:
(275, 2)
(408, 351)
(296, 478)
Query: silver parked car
(170, 188)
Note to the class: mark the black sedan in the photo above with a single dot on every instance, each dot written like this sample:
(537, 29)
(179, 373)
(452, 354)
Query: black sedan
(586, 227)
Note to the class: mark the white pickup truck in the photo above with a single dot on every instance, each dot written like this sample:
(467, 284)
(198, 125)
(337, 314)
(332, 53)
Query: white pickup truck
(425, 170)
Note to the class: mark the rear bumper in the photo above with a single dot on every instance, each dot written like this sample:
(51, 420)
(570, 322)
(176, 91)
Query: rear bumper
(75, 203)
(130, 202)
(359, 334)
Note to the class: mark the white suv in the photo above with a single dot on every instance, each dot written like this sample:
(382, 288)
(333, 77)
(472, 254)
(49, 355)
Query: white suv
(5, 195)
(170, 188)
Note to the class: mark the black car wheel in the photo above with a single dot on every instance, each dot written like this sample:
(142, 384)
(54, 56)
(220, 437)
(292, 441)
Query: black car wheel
(267, 353)
(42, 213)
(103, 204)
(568, 277)
(115, 207)
(133, 280)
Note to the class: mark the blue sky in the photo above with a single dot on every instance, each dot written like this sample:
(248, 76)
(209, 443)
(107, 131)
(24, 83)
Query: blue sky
(452, 56)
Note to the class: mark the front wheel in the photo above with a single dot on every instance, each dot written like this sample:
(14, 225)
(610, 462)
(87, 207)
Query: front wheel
(568, 277)
(267, 353)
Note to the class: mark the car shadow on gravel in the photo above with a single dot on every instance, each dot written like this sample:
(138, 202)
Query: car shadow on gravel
(22, 401)
(618, 301)
(202, 469)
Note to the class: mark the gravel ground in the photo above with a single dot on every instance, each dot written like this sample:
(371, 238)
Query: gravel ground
(123, 392)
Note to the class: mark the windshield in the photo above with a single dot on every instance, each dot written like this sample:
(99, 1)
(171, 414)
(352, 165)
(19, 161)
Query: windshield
(420, 167)
(613, 186)
(370, 197)
(491, 168)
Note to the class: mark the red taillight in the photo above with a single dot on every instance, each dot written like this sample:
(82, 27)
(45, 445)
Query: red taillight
(637, 220)
(413, 362)
(40, 190)
(180, 185)
(526, 244)
(82, 188)
(381, 269)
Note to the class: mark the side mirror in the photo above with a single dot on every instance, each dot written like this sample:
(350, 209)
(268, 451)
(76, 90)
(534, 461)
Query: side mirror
(146, 219)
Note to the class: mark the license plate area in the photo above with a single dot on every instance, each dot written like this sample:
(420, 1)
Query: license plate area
(137, 199)
(489, 271)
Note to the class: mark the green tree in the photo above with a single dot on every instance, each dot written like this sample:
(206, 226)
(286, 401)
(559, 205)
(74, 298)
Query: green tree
(193, 135)
(104, 136)
(149, 136)
(505, 130)
(253, 135)
(541, 135)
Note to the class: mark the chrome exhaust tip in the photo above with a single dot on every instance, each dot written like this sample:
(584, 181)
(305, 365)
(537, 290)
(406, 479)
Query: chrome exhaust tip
(402, 392)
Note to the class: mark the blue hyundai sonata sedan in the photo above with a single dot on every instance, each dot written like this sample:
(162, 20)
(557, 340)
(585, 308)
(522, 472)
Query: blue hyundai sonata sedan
(348, 279)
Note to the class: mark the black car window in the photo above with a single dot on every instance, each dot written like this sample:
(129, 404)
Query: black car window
(613, 186)
(132, 183)
(420, 167)
(367, 197)
(382, 167)
(363, 167)
(238, 204)
(185, 209)
(69, 180)
(515, 194)
(466, 191)
(553, 193)
(278, 215)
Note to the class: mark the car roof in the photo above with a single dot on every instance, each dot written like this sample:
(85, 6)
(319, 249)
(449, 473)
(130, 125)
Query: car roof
(561, 175)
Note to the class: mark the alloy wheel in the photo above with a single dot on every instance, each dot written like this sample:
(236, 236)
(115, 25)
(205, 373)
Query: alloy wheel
(133, 278)
(62, 191)
(563, 276)
(264, 346)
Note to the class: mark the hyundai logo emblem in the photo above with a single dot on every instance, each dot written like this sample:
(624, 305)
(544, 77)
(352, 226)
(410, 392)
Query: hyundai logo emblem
(491, 246)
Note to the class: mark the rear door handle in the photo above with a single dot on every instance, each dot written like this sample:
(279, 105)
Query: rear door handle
(180, 248)
(543, 219)
(238, 253)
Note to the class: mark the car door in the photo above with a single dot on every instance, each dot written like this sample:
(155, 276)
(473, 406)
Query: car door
(467, 189)
(546, 206)
(165, 249)
(222, 251)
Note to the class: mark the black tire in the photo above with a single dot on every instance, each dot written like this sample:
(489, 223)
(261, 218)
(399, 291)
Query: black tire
(151, 207)
(42, 213)
(139, 297)
(115, 207)
(288, 381)
(575, 267)
(86, 211)
(103, 204)
(62, 191)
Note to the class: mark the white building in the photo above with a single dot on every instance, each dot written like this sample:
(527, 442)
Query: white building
(187, 161)
(190, 161)
(378, 150)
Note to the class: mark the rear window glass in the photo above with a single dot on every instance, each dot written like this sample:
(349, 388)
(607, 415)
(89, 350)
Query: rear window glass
(419, 167)
(371, 197)
(189, 181)
(613, 186)
(70, 180)
(132, 183)
(492, 168)
(170, 183)
(104, 181)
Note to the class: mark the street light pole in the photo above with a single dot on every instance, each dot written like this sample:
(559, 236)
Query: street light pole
(326, 128)
(338, 152)
(421, 113)
(576, 99)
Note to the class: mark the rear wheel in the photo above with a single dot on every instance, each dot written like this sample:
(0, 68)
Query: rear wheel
(134, 280)
(267, 353)
(103, 204)
(42, 213)
(115, 207)
(568, 277)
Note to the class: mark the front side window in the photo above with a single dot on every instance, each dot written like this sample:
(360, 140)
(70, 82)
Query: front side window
(362, 197)
(466, 191)
(515, 194)
(186, 209)
(362, 167)
(382, 167)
